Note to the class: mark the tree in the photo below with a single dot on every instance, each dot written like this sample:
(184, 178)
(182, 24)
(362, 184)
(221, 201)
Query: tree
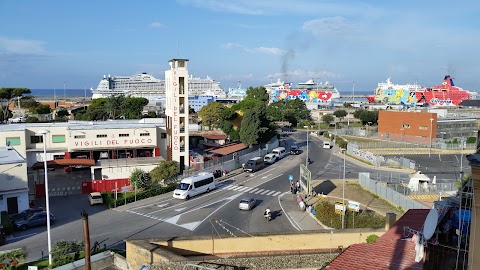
(62, 112)
(191, 110)
(165, 172)
(211, 114)
(61, 252)
(28, 102)
(366, 116)
(140, 179)
(32, 119)
(340, 113)
(41, 109)
(2, 115)
(258, 93)
(327, 119)
(10, 95)
(250, 128)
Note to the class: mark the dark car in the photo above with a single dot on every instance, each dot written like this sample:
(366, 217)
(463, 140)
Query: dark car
(294, 150)
(25, 213)
(33, 220)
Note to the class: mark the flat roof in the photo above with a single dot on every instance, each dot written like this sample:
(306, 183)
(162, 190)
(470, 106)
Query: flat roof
(8, 155)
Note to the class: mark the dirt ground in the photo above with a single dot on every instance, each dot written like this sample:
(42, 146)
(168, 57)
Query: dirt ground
(353, 192)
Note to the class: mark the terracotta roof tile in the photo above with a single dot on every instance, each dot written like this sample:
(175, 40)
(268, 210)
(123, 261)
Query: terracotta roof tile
(389, 252)
(215, 137)
(229, 149)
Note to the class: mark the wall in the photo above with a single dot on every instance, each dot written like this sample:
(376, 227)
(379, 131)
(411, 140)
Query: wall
(139, 251)
(115, 172)
(22, 200)
(13, 177)
(391, 122)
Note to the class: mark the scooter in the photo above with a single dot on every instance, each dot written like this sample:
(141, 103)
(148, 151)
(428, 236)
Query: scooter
(268, 216)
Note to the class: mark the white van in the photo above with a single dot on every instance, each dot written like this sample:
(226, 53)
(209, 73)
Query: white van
(270, 158)
(280, 152)
(327, 145)
(194, 185)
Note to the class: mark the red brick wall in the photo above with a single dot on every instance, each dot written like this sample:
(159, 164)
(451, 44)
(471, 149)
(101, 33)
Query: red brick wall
(391, 122)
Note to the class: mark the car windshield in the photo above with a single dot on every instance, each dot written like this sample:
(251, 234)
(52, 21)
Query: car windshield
(251, 163)
(183, 186)
(29, 216)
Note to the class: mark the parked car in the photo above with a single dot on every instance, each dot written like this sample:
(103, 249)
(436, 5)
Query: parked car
(327, 145)
(247, 203)
(33, 220)
(95, 198)
(25, 213)
(270, 158)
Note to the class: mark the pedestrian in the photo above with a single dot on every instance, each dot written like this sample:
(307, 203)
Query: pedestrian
(32, 204)
(243, 166)
(297, 185)
(291, 187)
(313, 192)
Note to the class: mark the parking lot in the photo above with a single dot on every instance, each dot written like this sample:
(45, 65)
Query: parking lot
(61, 183)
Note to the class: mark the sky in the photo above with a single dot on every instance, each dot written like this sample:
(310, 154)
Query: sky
(351, 44)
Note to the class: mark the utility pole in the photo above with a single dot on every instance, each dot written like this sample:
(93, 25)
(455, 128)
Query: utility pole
(86, 240)
(343, 191)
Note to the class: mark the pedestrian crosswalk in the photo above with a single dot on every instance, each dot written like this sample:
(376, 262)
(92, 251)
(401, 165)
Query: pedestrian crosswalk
(251, 190)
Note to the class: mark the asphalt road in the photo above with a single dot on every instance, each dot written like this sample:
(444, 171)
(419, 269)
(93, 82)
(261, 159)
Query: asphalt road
(164, 216)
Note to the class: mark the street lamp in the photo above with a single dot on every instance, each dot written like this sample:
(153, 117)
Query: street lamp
(44, 133)
(343, 190)
(306, 159)
(430, 150)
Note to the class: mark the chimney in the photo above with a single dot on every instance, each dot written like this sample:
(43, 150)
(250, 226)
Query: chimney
(390, 220)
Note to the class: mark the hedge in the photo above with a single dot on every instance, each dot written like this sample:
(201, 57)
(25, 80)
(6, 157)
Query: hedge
(109, 199)
(325, 213)
(6, 222)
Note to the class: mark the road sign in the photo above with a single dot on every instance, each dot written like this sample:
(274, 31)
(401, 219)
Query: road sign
(339, 207)
(354, 206)
(290, 177)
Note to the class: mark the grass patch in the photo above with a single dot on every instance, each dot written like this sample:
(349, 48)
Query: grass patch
(129, 197)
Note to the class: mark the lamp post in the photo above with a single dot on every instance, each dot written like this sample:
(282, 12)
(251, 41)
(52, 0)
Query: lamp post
(343, 190)
(430, 150)
(461, 161)
(306, 159)
(44, 133)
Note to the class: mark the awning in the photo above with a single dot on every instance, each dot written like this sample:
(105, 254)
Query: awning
(215, 137)
(229, 149)
(65, 162)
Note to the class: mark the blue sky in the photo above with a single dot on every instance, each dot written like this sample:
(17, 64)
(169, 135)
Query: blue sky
(46, 43)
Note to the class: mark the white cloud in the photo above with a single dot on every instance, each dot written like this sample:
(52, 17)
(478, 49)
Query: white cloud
(330, 25)
(261, 50)
(158, 25)
(21, 46)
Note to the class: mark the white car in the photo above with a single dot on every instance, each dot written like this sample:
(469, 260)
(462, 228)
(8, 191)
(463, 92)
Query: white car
(327, 145)
(270, 158)
(95, 198)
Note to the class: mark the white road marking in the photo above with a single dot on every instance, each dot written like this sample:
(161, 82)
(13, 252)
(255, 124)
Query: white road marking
(243, 189)
(277, 193)
(265, 192)
(270, 193)
(230, 187)
(266, 176)
(180, 209)
(294, 224)
(253, 190)
(248, 190)
(11, 237)
(162, 205)
(237, 188)
(260, 190)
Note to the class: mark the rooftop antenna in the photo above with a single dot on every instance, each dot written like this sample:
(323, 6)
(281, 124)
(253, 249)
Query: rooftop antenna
(421, 237)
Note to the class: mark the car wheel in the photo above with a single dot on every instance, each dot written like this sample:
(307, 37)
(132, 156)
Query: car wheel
(188, 197)
(208, 190)
(23, 227)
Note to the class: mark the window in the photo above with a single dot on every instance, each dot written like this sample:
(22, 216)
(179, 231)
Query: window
(144, 134)
(422, 128)
(58, 138)
(203, 182)
(406, 126)
(13, 140)
(163, 136)
(36, 139)
(101, 135)
(79, 136)
(123, 135)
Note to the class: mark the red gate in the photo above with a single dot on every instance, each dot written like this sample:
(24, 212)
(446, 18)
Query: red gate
(104, 185)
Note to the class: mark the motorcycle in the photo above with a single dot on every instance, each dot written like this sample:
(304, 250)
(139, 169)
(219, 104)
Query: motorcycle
(268, 216)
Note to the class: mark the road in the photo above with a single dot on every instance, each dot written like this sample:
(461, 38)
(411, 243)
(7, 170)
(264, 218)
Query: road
(218, 210)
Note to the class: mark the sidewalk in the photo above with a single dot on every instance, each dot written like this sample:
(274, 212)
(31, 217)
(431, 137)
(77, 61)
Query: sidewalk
(301, 220)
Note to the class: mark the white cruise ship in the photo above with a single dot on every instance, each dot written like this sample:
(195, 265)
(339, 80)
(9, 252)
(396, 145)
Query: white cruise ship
(151, 88)
(306, 86)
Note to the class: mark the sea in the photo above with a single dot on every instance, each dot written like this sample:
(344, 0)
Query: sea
(59, 93)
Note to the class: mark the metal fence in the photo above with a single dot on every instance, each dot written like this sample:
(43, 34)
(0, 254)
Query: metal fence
(388, 193)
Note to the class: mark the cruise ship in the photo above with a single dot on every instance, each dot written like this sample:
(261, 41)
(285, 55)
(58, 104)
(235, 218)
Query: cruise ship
(320, 88)
(151, 88)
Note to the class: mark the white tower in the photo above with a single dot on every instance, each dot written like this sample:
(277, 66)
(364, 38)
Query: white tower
(176, 92)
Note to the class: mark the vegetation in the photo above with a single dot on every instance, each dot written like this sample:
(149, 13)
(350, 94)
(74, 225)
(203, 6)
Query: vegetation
(366, 116)
(62, 115)
(212, 114)
(372, 238)
(32, 119)
(294, 111)
(340, 114)
(113, 107)
(325, 213)
(140, 179)
(165, 172)
(327, 119)
(11, 258)
(9, 96)
(6, 222)
(41, 109)
(64, 252)
(129, 197)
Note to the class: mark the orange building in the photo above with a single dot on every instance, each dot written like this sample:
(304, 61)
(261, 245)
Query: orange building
(415, 127)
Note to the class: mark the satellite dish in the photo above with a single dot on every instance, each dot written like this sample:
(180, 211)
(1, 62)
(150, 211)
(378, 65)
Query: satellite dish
(430, 224)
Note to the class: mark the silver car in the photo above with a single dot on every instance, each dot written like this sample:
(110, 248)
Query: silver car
(247, 203)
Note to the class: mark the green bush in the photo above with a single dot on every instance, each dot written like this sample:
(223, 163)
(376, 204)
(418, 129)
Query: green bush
(129, 197)
(325, 213)
(372, 238)
(342, 143)
(6, 222)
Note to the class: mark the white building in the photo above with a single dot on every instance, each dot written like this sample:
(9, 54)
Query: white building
(90, 143)
(176, 92)
(13, 181)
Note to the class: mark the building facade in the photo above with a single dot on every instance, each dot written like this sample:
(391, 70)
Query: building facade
(13, 181)
(197, 102)
(417, 127)
(176, 92)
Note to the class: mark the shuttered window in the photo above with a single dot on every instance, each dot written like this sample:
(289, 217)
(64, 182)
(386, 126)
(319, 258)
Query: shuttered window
(58, 138)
